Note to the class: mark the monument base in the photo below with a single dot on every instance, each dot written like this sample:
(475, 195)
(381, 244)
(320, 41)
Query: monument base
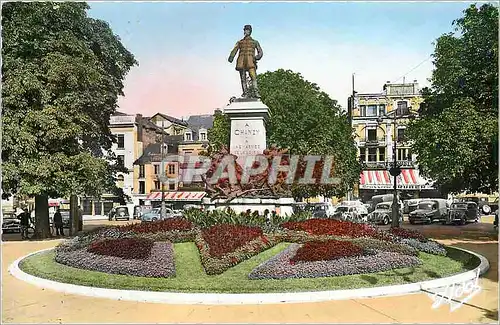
(282, 206)
(248, 130)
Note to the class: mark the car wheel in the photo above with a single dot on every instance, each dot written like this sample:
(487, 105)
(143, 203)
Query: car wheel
(154, 219)
(386, 220)
(412, 222)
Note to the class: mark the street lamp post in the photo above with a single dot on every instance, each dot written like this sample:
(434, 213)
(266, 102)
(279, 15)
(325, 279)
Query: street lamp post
(163, 178)
(395, 171)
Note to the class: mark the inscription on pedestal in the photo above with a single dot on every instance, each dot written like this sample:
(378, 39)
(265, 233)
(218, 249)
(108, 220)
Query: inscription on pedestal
(248, 137)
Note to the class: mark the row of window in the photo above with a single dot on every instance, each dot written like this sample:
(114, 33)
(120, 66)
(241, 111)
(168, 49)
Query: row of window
(371, 134)
(142, 169)
(188, 136)
(379, 110)
(379, 154)
(142, 186)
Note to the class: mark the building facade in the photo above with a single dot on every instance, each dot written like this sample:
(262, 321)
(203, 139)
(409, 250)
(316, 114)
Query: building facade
(380, 121)
(186, 137)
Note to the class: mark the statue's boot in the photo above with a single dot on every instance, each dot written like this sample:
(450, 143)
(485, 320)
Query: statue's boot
(244, 86)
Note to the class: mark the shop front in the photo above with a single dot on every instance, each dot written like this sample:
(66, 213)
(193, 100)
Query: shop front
(409, 184)
(177, 200)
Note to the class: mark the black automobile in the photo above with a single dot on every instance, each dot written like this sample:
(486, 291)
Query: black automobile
(10, 223)
(120, 212)
(463, 212)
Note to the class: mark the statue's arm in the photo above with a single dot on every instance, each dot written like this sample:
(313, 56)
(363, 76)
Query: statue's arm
(234, 51)
(260, 53)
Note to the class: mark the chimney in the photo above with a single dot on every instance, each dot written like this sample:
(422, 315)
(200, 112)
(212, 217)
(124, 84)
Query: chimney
(217, 111)
(387, 82)
(138, 120)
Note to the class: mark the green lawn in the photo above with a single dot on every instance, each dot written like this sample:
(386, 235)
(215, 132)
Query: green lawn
(192, 278)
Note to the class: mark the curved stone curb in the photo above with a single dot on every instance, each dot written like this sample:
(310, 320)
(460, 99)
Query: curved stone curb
(244, 298)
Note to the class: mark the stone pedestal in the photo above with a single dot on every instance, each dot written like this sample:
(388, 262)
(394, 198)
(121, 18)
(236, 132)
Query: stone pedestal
(248, 131)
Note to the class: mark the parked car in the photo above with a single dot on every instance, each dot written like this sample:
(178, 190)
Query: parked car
(410, 205)
(463, 212)
(323, 210)
(350, 213)
(10, 223)
(155, 215)
(486, 203)
(429, 210)
(383, 214)
(119, 212)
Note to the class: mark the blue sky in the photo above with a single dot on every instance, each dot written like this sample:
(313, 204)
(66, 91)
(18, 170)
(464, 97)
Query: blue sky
(182, 48)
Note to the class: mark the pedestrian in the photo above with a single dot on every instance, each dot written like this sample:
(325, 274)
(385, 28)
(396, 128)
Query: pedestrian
(80, 219)
(58, 222)
(25, 218)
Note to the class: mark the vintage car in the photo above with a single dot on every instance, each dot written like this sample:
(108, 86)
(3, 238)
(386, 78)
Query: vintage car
(410, 205)
(323, 210)
(119, 212)
(350, 213)
(383, 214)
(155, 215)
(462, 212)
(486, 203)
(429, 210)
(10, 223)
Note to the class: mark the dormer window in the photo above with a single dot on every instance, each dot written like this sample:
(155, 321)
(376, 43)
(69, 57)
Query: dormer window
(188, 136)
(202, 134)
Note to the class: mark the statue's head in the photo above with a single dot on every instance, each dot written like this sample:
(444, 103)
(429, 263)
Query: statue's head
(247, 30)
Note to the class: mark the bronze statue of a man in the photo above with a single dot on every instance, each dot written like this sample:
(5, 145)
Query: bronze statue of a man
(247, 61)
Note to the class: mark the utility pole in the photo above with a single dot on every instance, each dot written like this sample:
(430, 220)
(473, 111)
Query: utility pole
(163, 172)
(350, 108)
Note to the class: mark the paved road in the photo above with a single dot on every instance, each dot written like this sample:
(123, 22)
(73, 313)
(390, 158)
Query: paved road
(25, 303)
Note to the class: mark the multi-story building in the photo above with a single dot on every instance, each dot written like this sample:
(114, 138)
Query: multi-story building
(380, 120)
(133, 132)
(188, 137)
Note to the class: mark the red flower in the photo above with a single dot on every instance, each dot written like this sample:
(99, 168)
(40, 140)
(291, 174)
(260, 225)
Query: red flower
(326, 250)
(226, 238)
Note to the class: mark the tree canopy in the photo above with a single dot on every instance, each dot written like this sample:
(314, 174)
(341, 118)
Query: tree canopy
(456, 136)
(306, 121)
(62, 74)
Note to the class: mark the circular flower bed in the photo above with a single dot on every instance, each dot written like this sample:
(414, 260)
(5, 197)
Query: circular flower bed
(320, 248)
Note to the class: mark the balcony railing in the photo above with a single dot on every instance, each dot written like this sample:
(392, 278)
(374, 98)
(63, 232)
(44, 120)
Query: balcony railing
(372, 141)
(388, 164)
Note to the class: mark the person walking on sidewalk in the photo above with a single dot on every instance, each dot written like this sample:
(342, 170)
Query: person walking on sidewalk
(25, 219)
(80, 219)
(58, 222)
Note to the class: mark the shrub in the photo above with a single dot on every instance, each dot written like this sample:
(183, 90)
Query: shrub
(326, 250)
(225, 238)
(128, 248)
(160, 262)
(279, 267)
(171, 224)
(85, 239)
(217, 265)
(332, 227)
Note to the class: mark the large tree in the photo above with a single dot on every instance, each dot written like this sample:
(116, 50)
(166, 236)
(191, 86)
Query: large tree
(456, 137)
(62, 74)
(306, 121)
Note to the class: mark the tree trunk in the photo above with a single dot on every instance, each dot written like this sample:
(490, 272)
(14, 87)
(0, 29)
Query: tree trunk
(42, 224)
(73, 215)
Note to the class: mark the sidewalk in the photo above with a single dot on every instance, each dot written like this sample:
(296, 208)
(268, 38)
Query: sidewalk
(24, 303)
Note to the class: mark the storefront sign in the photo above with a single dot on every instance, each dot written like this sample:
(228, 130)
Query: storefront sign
(389, 187)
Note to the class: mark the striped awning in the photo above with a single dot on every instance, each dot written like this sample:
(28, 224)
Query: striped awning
(382, 179)
(176, 196)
